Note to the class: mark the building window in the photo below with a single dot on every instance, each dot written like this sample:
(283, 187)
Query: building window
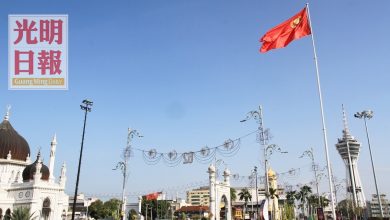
(46, 209)
(64, 214)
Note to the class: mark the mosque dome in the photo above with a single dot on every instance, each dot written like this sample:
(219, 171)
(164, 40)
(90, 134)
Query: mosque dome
(271, 172)
(30, 170)
(12, 142)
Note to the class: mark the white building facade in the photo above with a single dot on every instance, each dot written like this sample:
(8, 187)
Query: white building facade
(374, 208)
(26, 183)
(200, 196)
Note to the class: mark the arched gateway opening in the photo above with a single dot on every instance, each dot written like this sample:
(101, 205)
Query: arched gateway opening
(224, 210)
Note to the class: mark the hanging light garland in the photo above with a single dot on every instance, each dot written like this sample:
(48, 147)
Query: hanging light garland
(183, 188)
(204, 155)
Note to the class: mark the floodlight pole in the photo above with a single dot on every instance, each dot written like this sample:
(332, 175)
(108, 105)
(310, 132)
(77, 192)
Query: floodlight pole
(369, 114)
(87, 108)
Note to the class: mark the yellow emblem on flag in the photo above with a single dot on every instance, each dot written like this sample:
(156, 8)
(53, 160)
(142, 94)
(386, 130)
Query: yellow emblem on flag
(295, 22)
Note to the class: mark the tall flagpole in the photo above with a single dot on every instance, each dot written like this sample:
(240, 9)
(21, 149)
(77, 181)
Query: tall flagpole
(322, 115)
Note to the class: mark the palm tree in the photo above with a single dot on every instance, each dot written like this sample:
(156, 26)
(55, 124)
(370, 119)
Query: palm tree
(22, 213)
(246, 196)
(273, 193)
(290, 196)
(324, 201)
(233, 195)
(290, 205)
(302, 196)
(312, 202)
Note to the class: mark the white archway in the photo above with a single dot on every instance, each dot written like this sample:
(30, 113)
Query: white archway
(220, 193)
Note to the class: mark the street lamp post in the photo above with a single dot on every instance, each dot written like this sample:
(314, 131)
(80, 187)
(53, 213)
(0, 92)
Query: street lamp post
(264, 137)
(258, 116)
(146, 211)
(252, 187)
(310, 154)
(257, 199)
(86, 106)
(123, 166)
(337, 187)
(369, 114)
(268, 152)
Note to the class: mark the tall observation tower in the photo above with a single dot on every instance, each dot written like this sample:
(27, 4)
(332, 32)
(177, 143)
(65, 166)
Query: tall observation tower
(349, 148)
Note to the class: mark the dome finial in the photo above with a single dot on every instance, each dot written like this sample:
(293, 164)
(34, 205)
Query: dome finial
(6, 117)
(39, 154)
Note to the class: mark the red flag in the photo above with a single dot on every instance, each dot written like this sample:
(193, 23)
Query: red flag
(280, 36)
(152, 196)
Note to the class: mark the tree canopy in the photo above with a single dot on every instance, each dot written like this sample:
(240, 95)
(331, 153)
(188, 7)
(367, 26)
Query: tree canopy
(132, 215)
(155, 208)
(110, 208)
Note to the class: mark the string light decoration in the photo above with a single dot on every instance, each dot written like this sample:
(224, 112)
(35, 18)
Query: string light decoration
(205, 155)
(173, 190)
(292, 173)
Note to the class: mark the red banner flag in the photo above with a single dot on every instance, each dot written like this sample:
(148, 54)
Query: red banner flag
(280, 36)
(152, 196)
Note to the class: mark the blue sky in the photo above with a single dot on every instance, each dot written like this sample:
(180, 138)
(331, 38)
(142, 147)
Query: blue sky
(184, 73)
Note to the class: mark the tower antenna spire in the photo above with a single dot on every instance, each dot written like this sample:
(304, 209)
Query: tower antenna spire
(6, 117)
(346, 132)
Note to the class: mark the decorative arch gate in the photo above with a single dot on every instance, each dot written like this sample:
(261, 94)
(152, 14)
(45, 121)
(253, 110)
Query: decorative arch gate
(220, 206)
